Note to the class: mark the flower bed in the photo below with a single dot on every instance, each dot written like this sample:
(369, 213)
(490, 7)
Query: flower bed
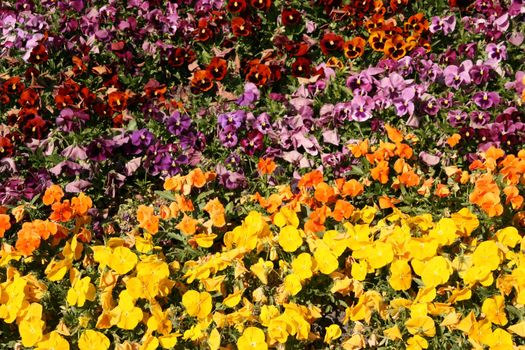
(260, 174)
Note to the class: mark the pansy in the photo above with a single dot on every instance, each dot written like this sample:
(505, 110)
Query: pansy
(290, 17)
(486, 100)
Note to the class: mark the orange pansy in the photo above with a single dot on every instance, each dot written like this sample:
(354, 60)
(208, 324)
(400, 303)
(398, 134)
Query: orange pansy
(62, 211)
(52, 195)
(380, 172)
(266, 166)
(352, 188)
(324, 193)
(216, 211)
(5, 224)
(188, 225)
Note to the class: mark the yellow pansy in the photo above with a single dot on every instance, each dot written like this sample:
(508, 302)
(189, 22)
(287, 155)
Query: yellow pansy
(494, 310)
(214, 340)
(31, 326)
(416, 343)
(279, 330)
(302, 266)
(81, 291)
(380, 254)
(233, 299)
(252, 338)
(126, 315)
(53, 341)
(326, 260)
(509, 236)
(292, 284)
(359, 270)
(444, 232)
(93, 340)
(286, 216)
(421, 325)
(400, 275)
(197, 304)
(333, 332)
(422, 248)
(290, 239)
(122, 260)
(57, 269)
(436, 271)
(261, 269)
(268, 313)
(465, 221)
(487, 254)
(393, 333)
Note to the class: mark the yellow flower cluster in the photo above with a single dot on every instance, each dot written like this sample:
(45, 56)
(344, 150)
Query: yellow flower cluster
(300, 272)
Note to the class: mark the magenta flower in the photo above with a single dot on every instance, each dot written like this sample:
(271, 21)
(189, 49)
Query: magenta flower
(445, 24)
(361, 108)
(486, 100)
(496, 52)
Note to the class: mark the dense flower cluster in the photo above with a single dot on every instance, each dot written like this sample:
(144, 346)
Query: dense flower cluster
(260, 174)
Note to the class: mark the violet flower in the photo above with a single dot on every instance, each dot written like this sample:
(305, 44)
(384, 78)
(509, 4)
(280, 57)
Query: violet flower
(361, 108)
(234, 119)
(251, 94)
(457, 118)
(456, 76)
(478, 119)
(71, 120)
(100, 149)
(228, 136)
(486, 100)
(178, 123)
(496, 52)
(404, 103)
(445, 24)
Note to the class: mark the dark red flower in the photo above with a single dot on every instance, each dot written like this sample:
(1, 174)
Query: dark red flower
(219, 17)
(78, 65)
(6, 147)
(154, 89)
(203, 32)
(331, 44)
(189, 56)
(262, 5)
(202, 81)
(302, 67)
(259, 74)
(13, 86)
(118, 101)
(63, 101)
(102, 109)
(31, 73)
(218, 67)
(291, 17)
(38, 54)
(4, 99)
(396, 5)
(236, 6)
(35, 128)
(241, 27)
(176, 57)
(88, 98)
(28, 98)
(297, 49)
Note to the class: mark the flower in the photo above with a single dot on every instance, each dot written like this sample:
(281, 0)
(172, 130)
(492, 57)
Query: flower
(332, 332)
(496, 52)
(93, 340)
(197, 304)
(331, 44)
(218, 67)
(354, 48)
(252, 338)
(202, 81)
(290, 17)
